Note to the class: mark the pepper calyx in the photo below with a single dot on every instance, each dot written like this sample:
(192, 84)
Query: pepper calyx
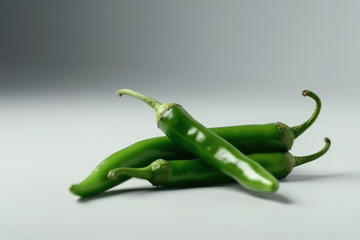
(286, 134)
(162, 109)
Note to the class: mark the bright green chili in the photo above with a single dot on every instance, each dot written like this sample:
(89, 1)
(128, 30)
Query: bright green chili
(184, 130)
(190, 173)
(271, 137)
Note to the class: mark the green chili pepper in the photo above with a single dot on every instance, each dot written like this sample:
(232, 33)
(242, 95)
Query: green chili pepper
(271, 137)
(184, 130)
(195, 172)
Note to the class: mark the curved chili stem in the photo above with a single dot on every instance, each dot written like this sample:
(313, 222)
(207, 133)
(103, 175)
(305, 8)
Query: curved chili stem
(148, 100)
(143, 173)
(298, 130)
(160, 108)
(305, 159)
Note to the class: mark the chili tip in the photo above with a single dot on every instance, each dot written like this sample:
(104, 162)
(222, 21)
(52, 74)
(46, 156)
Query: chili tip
(74, 189)
(274, 187)
(305, 93)
(118, 93)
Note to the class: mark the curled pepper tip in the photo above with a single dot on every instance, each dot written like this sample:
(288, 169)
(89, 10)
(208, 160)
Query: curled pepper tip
(305, 159)
(298, 130)
(118, 93)
(305, 93)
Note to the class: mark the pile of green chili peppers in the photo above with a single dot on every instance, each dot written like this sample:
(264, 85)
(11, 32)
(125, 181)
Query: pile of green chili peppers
(191, 155)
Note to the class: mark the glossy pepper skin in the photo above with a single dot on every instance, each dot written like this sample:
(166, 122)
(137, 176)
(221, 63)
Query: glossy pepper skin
(271, 137)
(195, 172)
(184, 130)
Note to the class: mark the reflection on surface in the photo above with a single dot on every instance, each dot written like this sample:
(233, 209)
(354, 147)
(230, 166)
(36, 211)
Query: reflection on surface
(244, 167)
(200, 137)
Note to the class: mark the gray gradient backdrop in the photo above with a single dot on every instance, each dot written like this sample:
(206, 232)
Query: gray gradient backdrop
(227, 62)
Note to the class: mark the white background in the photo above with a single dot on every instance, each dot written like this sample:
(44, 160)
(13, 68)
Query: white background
(226, 62)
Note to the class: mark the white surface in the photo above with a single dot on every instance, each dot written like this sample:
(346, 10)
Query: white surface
(47, 143)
